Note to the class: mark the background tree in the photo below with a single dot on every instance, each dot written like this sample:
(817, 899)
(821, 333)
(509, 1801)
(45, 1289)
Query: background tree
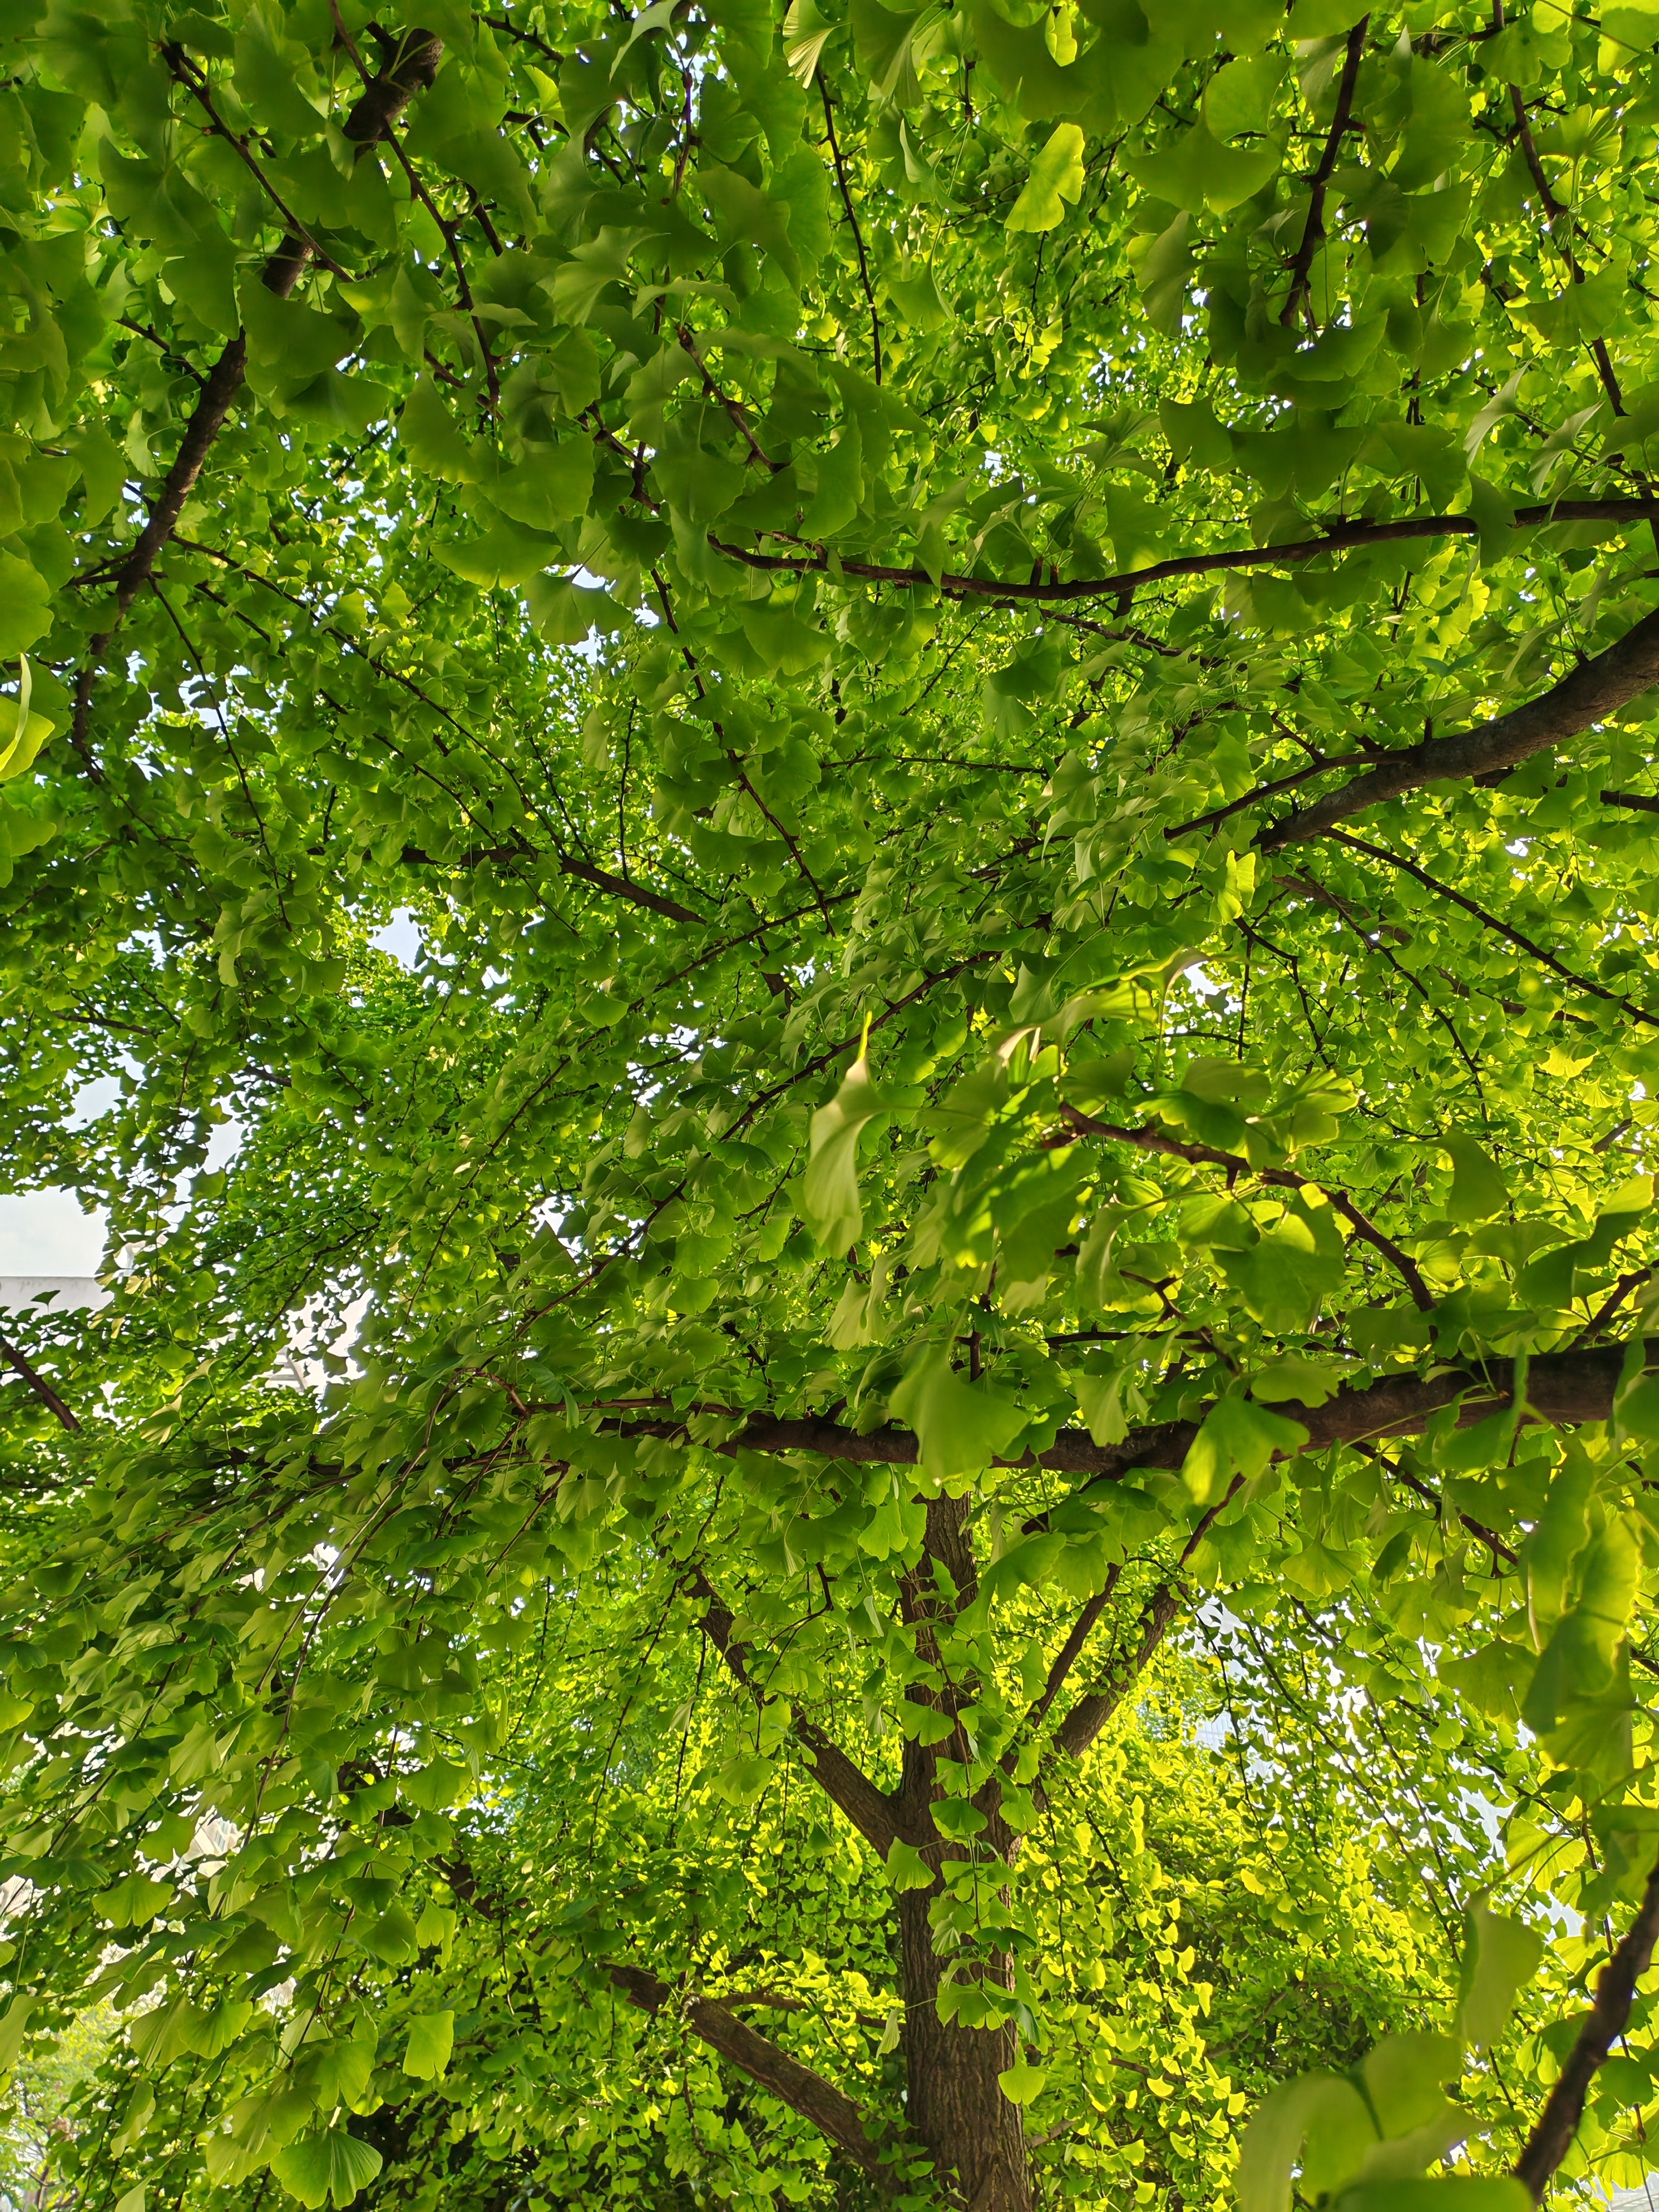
(1003, 656)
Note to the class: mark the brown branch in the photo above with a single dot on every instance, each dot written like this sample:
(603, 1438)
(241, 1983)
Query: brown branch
(1636, 799)
(1096, 1707)
(1553, 212)
(412, 70)
(623, 887)
(501, 856)
(42, 1389)
(1150, 1139)
(870, 1809)
(817, 2101)
(1313, 231)
(1491, 921)
(1431, 1496)
(1606, 2022)
(1575, 1386)
(858, 236)
(1338, 537)
(1592, 691)
(1069, 1652)
(724, 399)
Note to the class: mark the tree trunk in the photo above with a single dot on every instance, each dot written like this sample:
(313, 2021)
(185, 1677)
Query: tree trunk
(975, 2136)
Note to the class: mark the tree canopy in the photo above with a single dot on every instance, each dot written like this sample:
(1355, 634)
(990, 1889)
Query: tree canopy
(930, 1461)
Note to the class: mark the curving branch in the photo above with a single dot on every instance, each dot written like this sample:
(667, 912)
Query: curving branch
(1338, 537)
(1150, 1139)
(1096, 1707)
(1498, 929)
(42, 1389)
(1313, 230)
(817, 2101)
(1606, 2022)
(875, 1815)
(1594, 689)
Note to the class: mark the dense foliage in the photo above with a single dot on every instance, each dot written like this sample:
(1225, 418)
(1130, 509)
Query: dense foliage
(934, 1451)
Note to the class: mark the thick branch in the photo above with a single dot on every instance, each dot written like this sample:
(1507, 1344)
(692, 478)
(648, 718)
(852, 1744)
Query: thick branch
(1096, 1707)
(815, 2100)
(1593, 691)
(42, 1389)
(1606, 2022)
(1560, 1386)
(1339, 537)
(870, 1809)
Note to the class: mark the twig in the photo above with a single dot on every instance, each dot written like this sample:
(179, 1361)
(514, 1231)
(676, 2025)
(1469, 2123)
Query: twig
(858, 236)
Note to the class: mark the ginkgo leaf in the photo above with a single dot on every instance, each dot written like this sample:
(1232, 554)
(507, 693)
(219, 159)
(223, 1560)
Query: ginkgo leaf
(829, 1188)
(1056, 181)
(332, 2168)
(431, 2036)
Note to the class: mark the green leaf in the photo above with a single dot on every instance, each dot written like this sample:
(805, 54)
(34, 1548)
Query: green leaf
(507, 554)
(1021, 2083)
(962, 1425)
(1478, 1191)
(25, 606)
(550, 485)
(133, 1903)
(1500, 1957)
(435, 446)
(1454, 2192)
(431, 2037)
(564, 611)
(1318, 2124)
(829, 1188)
(1056, 181)
(14, 2024)
(330, 2168)
(1237, 1437)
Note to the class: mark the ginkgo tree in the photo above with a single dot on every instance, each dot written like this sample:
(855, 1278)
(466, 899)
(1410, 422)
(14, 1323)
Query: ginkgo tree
(932, 1458)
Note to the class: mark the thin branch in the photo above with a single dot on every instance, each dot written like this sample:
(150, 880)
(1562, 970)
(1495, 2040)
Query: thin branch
(1491, 921)
(1150, 1139)
(1338, 537)
(412, 70)
(858, 236)
(1313, 231)
(869, 1808)
(1096, 1707)
(1069, 1652)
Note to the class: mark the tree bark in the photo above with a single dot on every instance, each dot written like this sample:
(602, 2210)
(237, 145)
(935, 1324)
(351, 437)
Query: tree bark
(975, 2136)
(819, 2102)
(1606, 2022)
(1568, 709)
(1561, 1386)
